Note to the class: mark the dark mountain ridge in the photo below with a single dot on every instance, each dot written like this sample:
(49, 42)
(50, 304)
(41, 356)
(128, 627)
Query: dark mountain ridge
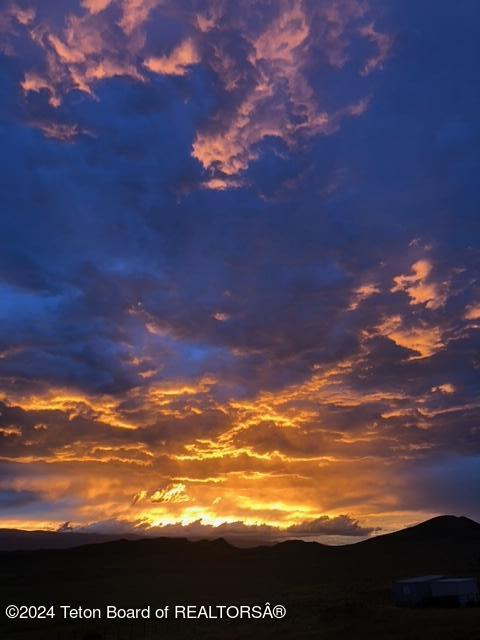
(437, 528)
(427, 544)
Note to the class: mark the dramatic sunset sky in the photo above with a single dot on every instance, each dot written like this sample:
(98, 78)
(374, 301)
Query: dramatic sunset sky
(239, 265)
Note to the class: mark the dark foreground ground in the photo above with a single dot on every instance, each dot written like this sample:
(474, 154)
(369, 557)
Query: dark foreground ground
(328, 592)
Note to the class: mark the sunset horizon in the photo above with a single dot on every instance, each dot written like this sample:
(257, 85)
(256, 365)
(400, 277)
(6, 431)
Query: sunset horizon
(240, 267)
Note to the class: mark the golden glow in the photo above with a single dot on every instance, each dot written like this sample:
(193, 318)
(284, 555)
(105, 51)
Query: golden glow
(73, 405)
(265, 453)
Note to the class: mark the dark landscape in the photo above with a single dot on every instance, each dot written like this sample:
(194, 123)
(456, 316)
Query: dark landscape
(329, 592)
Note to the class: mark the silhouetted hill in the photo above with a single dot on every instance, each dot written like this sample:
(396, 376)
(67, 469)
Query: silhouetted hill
(446, 544)
(439, 527)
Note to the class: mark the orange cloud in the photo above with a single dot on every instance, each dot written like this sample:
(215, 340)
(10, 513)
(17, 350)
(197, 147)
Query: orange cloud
(221, 316)
(23, 15)
(58, 131)
(423, 339)
(34, 82)
(85, 52)
(221, 184)
(171, 493)
(177, 63)
(446, 388)
(383, 43)
(281, 104)
(473, 312)
(278, 459)
(95, 6)
(419, 287)
(361, 294)
(267, 94)
(135, 13)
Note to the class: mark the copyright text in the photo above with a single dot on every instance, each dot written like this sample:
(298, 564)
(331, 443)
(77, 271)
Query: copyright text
(149, 612)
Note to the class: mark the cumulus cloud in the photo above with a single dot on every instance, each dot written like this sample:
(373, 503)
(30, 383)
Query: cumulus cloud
(341, 525)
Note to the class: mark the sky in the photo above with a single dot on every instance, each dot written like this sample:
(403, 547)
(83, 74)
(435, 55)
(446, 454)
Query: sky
(239, 265)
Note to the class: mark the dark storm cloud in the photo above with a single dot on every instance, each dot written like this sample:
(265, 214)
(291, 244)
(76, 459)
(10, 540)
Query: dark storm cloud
(340, 526)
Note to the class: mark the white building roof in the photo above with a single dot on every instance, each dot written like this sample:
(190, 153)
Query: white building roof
(456, 580)
(420, 579)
